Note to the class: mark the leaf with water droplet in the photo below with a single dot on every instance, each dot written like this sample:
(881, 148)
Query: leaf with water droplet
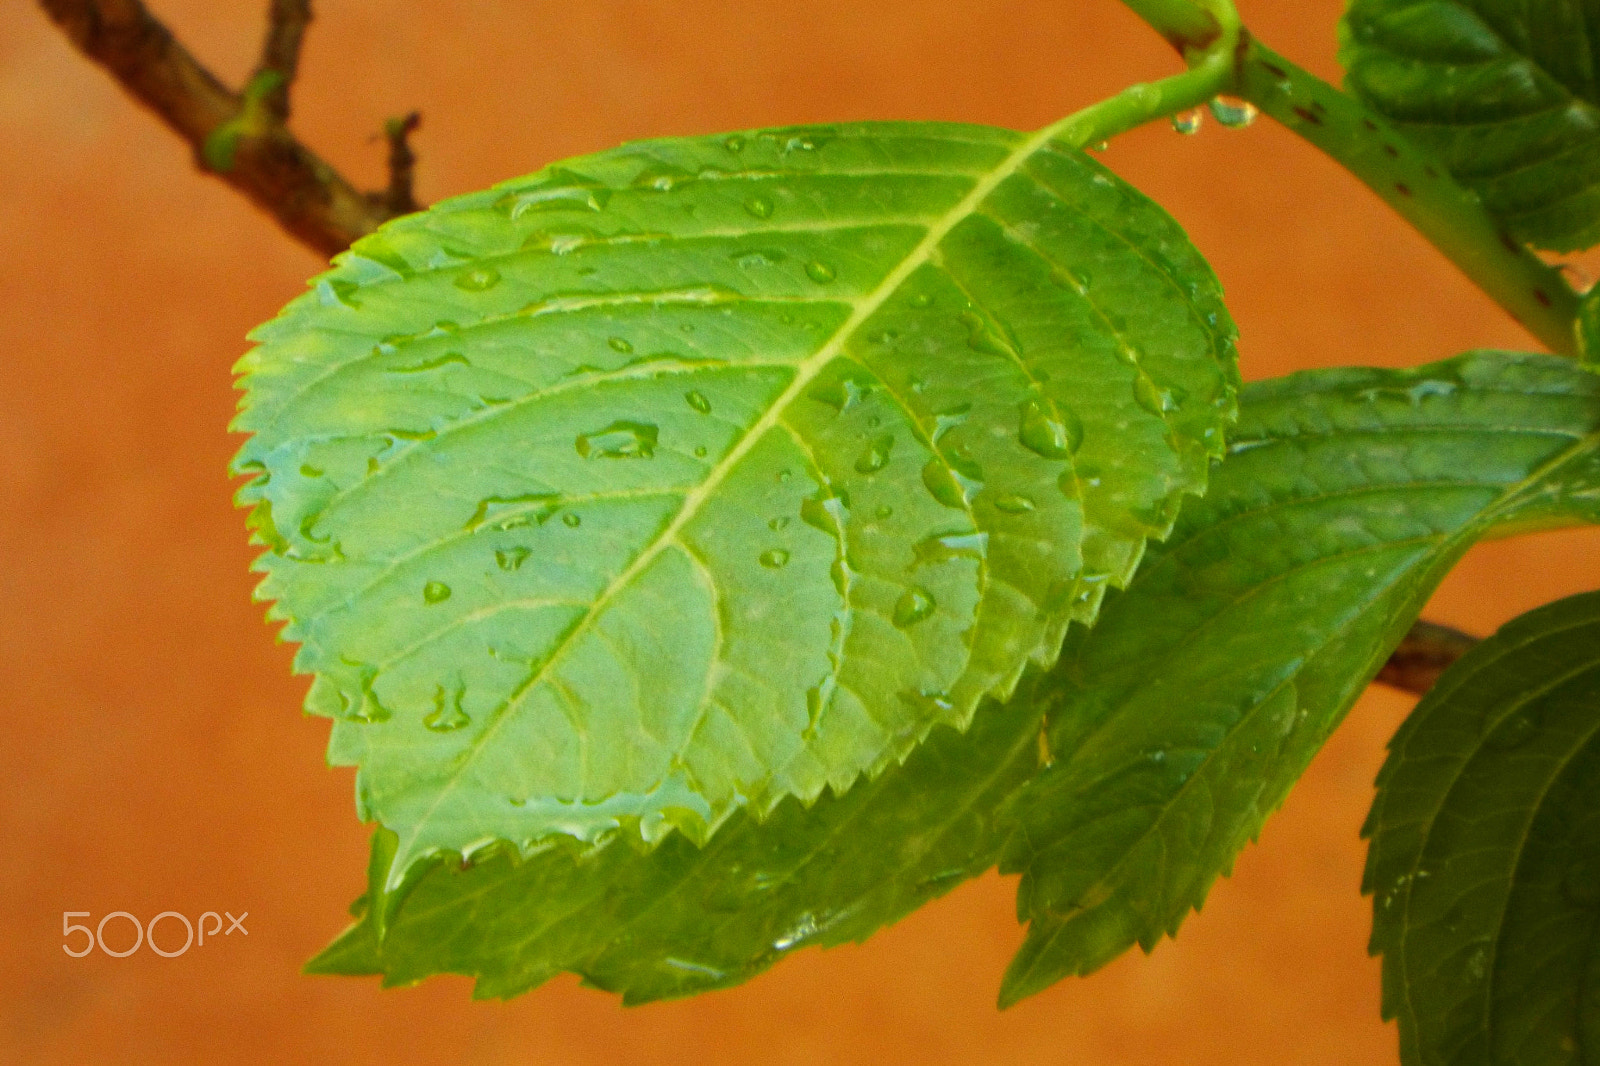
(702, 312)
(1305, 552)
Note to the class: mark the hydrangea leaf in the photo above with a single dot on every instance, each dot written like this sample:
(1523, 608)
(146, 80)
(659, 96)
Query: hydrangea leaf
(1505, 92)
(1485, 852)
(683, 919)
(1205, 689)
(701, 473)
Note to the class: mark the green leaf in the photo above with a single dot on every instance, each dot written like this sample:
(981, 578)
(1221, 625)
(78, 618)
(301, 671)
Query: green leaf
(683, 919)
(1485, 853)
(1205, 689)
(1506, 92)
(701, 473)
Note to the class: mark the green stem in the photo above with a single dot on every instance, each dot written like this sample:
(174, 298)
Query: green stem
(1419, 188)
(1210, 72)
(1406, 177)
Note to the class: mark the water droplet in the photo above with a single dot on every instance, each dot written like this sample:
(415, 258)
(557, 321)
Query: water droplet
(941, 483)
(1045, 434)
(883, 512)
(842, 393)
(511, 558)
(734, 143)
(914, 605)
(1188, 122)
(820, 272)
(1152, 397)
(750, 258)
(571, 520)
(876, 457)
(774, 558)
(436, 592)
(984, 337)
(307, 470)
(448, 715)
(1013, 504)
(921, 300)
(779, 524)
(368, 709)
(619, 440)
(759, 206)
(784, 475)
(825, 513)
(942, 547)
(698, 401)
(949, 418)
(699, 451)
(1233, 112)
(618, 344)
(478, 279)
(512, 512)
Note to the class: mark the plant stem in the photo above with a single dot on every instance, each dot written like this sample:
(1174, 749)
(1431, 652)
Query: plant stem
(1210, 72)
(1419, 188)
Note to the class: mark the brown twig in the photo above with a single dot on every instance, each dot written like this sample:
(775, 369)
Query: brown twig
(398, 198)
(286, 28)
(1426, 652)
(240, 136)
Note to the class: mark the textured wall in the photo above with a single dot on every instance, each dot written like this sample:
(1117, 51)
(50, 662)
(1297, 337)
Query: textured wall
(154, 757)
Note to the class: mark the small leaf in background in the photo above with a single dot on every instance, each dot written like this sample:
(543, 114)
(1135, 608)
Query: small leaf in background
(701, 473)
(1505, 92)
(1485, 852)
(1206, 688)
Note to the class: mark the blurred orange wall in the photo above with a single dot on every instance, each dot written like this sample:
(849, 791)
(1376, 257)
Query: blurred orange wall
(154, 755)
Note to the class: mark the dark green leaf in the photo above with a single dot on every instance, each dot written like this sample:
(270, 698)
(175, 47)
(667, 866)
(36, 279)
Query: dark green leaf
(1485, 856)
(1506, 92)
(1205, 688)
(701, 473)
(684, 919)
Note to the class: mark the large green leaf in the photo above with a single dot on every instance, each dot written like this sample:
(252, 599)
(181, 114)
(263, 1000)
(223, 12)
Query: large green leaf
(700, 473)
(1506, 92)
(1205, 689)
(683, 919)
(1485, 854)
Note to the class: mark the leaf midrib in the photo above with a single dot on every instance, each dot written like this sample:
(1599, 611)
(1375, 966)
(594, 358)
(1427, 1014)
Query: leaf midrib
(805, 372)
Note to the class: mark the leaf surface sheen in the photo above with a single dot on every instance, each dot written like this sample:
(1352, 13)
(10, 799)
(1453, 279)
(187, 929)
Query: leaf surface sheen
(1484, 862)
(1506, 92)
(1206, 688)
(700, 473)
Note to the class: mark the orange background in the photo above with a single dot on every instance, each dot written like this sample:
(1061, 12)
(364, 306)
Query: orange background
(154, 755)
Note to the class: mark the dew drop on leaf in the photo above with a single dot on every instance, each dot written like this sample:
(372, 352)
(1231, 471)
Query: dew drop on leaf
(618, 344)
(921, 300)
(774, 558)
(478, 279)
(942, 485)
(759, 206)
(511, 558)
(435, 592)
(448, 715)
(1151, 397)
(820, 272)
(876, 457)
(1012, 503)
(1045, 434)
(698, 401)
(619, 440)
(914, 605)
(571, 520)
(779, 524)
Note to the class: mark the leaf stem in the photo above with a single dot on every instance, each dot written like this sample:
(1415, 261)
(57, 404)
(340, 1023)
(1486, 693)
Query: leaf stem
(1418, 187)
(1211, 71)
